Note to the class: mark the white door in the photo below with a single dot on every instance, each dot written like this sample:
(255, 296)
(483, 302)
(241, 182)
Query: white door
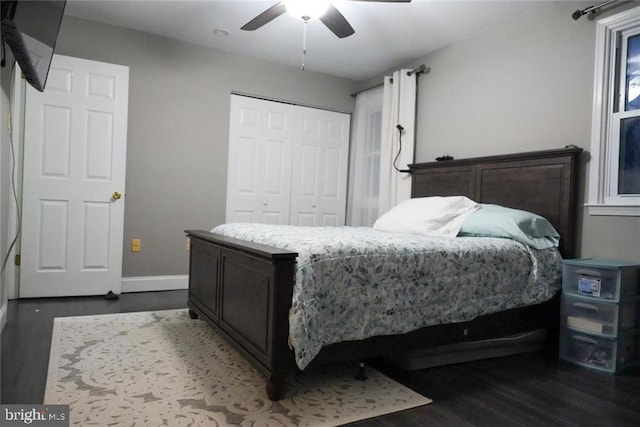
(75, 137)
(320, 161)
(260, 145)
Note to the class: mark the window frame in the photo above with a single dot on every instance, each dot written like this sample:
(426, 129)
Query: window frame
(603, 198)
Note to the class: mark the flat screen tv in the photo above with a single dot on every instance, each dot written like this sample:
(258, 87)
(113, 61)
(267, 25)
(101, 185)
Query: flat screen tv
(30, 28)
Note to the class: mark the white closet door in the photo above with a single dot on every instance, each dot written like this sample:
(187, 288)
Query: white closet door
(260, 147)
(320, 160)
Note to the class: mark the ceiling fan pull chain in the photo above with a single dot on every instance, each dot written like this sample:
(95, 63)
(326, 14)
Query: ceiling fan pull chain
(304, 43)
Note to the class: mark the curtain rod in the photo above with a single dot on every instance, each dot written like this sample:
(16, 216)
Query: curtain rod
(591, 11)
(422, 69)
(354, 94)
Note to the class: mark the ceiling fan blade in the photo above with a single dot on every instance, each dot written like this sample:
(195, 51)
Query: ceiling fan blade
(337, 23)
(265, 17)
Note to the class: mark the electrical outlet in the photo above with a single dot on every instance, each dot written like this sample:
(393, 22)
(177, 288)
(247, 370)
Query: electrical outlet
(136, 245)
(187, 245)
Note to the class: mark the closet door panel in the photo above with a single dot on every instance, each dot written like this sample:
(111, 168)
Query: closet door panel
(276, 182)
(332, 198)
(244, 185)
(287, 164)
(260, 146)
(277, 140)
(319, 180)
(306, 184)
(307, 152)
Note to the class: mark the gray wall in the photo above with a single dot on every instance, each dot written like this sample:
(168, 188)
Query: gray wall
(5, 176)
(5, 153)
(520, 86)
(178, 130)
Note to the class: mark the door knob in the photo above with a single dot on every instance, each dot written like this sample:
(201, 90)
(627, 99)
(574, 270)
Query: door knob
(116, 195)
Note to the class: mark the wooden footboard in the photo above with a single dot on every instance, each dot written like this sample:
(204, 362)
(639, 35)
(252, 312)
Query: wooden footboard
(244, 292)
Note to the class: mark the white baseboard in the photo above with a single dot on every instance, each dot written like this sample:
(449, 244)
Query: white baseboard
(3, 317)
(154, 283)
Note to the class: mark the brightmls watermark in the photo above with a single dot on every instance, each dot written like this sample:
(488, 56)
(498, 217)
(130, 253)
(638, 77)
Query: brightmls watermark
(36, 415)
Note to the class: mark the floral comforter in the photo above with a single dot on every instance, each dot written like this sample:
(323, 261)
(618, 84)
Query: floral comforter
(356, 282)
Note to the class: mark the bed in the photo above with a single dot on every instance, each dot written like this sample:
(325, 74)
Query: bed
(245, 290)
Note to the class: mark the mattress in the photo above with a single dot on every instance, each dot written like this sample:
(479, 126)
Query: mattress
(353, 283)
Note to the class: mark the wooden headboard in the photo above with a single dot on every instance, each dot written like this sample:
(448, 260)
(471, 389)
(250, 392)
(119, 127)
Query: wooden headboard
(542, 182)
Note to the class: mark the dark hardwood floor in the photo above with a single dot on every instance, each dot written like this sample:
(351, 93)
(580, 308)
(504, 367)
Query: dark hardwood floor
(26, 338)
(531, 390)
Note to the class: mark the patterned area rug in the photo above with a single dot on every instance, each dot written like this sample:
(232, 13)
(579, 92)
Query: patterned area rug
(163, 368)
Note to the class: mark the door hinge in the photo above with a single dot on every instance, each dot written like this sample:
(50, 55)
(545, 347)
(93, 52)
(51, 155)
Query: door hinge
(17, 259)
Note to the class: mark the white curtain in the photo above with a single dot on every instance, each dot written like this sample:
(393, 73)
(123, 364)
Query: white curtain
(399, 106)
(364, 171)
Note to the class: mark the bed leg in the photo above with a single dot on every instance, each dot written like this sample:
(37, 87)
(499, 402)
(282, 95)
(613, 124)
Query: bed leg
(193, 314)
(276, 387)
(361, 375)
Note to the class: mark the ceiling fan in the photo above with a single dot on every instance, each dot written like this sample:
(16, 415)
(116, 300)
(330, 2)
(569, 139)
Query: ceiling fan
(308, 10)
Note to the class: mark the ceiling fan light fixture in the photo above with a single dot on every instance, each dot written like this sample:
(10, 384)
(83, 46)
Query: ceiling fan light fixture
(307, 10)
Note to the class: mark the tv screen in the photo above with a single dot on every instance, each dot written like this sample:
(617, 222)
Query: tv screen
(30, 28)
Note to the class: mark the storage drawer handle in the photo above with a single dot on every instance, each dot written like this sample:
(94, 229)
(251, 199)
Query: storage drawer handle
(590, 273)
(584, 339)
(586, 306)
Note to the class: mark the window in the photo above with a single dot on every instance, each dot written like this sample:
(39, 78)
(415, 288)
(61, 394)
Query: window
(365, 158)
(372, 156)
(614, 187)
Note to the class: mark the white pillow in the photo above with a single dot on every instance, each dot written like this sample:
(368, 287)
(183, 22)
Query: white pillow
(431, 216)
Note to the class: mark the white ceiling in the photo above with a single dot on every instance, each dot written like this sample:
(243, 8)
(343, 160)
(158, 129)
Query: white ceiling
(387, 34)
